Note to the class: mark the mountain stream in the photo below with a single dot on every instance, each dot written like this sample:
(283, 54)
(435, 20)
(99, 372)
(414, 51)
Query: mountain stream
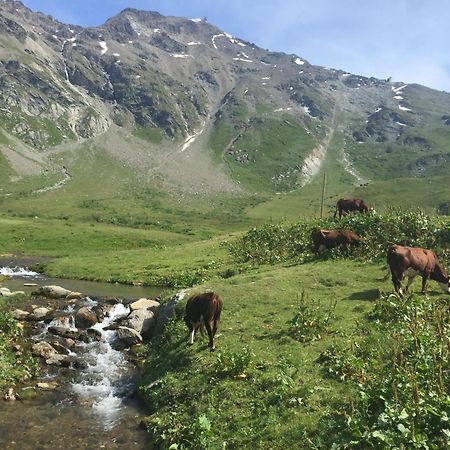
(90, 404)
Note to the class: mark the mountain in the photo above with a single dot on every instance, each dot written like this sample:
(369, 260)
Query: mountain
(187, 107)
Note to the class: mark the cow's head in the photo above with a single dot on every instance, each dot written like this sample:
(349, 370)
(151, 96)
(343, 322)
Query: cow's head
(445, 286)
(441, 276)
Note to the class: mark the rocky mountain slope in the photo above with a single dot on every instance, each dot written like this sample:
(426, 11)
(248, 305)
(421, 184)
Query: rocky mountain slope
(178, 99)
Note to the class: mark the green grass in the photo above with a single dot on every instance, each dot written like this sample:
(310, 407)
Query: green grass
(306, 201)
(165, 265)
(102, 191)
(263, 381)
(280, 394)
(153, 135)
(410, 193)
(62, 238)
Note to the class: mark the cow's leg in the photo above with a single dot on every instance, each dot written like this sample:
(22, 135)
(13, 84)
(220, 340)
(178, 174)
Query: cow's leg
(424, 281)
(411, 273)
(387, 275)
(192, 334)
(410, 280)
(194, 328)
(397, 282)
(210, 334)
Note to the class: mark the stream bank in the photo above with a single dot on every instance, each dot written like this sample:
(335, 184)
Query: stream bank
(85, 394)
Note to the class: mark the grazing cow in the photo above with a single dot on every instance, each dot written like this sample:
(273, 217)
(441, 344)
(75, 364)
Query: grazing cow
(333, 238)
(207, 306)
(346, 205)
(414, 261)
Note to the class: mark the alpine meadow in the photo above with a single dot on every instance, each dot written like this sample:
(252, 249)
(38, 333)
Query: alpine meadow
(153, 158)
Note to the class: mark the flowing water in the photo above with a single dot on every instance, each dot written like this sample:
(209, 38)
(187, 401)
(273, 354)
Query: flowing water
(94, 406)
(20, 276)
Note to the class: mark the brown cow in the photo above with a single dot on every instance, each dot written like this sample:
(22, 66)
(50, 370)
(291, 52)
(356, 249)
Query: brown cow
(207, 306)
(346, 205)
(414, 261)
(333, 238)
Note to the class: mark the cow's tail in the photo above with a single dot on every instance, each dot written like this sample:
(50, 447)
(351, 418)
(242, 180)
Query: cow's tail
(218, 311)
(334, 217)
(215, 308)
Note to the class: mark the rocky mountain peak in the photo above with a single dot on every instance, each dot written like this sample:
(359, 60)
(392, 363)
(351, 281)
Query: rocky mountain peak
(172, 79)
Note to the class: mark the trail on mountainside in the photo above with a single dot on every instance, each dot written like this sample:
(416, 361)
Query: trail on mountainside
(59, 184)
(348, 166)
(313, 162)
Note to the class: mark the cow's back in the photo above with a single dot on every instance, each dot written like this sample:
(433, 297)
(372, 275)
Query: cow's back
(349, 236)
(208, 305)
(416, 258)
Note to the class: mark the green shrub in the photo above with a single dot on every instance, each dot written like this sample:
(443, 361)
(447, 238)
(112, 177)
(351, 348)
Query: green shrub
(311, 321)
(276, 243)
(9, 327)
(170, 431)
(404, 399)
(232, 364)
(14, 367)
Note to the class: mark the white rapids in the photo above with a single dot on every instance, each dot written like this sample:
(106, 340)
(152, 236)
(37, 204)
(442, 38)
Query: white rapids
(17, 272)
(104, 379)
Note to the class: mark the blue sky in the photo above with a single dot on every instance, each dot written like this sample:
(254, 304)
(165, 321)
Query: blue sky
(407, 40)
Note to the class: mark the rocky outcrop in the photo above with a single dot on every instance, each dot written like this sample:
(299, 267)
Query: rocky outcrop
(85, 318)
(52, 292)
(19, 314)
(125, 338)
(50, 355)
(167, 311)
(141, 320)
(41, 313)
(43, 349)
(144, 303)
(5, 292)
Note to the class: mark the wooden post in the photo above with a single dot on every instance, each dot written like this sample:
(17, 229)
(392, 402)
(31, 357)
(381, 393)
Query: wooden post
(323, 195)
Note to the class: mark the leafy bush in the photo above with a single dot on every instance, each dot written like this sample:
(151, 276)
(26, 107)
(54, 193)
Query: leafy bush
(311, 320)
(276, 243)
(272, 243)
(405, 401)
(232, 364)
(171, 432)
(13, 368)
(9, 327)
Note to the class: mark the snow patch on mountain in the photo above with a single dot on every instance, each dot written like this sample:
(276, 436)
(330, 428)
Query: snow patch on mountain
(399, 89)
(190, 140)
(103, 47)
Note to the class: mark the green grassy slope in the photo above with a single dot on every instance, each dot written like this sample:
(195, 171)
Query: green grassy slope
(405, 143)
(263, 152)
(101, 190)
(268, 388)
